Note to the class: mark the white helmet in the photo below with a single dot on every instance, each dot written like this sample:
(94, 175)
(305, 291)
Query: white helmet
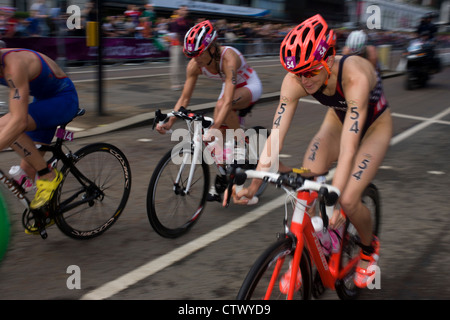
(356, 41)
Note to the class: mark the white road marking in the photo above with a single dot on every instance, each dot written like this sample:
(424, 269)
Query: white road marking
(436, 172)
(111, 288)
(405, 134)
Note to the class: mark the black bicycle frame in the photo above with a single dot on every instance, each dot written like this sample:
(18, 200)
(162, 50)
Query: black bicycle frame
(58, 154)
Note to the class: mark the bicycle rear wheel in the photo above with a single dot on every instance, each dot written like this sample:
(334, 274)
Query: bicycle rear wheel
(255, 285)
(171, 210)
(345, 288)
(86, 210)
(4, 227)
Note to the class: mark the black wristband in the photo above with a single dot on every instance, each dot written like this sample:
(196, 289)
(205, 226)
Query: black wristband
(43, 172)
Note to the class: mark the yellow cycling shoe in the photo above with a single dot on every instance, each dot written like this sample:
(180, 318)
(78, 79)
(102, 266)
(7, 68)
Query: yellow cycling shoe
(45, 190)
(34, 230)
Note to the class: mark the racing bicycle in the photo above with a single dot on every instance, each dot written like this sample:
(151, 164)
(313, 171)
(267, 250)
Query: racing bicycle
(92, 195)
(179, 185)
(285, 269)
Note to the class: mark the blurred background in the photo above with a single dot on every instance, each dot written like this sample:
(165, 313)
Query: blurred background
(141, 31)
(142, 28)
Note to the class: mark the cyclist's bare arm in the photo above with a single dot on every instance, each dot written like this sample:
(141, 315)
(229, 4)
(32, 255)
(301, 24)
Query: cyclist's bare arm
(231, 63)
(358, 80)
(17, 121)
(192, 73)
(290, 93)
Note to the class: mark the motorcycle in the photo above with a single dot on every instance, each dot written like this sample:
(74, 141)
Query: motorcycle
(421, 63)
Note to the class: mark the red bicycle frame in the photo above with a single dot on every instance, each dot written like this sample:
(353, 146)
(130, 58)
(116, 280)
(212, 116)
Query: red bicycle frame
(330, 269)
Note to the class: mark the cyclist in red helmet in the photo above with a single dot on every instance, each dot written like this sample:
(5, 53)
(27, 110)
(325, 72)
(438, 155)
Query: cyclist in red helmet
(356, 130)
(241, 86)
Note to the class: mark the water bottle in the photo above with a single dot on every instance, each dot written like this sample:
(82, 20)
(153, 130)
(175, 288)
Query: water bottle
(336, 236)
(240, 154)
(228, 152)
(322, 234)
(17, 173)
(216, 150)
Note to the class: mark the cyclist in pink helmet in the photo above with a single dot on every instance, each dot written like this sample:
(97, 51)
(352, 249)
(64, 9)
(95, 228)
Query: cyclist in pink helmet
(241, 86)
(355, 132)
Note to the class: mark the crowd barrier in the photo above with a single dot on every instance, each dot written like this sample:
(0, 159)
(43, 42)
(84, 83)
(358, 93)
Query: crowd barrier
(75, 48)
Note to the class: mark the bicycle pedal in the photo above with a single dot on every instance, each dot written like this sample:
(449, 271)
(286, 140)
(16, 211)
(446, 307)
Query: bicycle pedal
(43, 234)
(220, 184)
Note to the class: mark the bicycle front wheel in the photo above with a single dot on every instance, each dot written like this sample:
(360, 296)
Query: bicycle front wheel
(87, 206)
(4, 227)
(172, 210)
(264, 278)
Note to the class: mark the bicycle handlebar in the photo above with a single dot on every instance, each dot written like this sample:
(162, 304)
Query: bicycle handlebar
(184, 114)
(327, 193)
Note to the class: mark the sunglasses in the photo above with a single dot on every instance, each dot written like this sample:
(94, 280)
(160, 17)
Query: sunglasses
(192, 54)
(310, 73)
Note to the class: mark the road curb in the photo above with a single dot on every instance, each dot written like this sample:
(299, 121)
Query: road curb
(146, 117)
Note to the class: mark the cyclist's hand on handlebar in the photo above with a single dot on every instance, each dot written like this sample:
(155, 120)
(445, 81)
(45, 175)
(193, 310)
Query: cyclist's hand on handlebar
(337, 220)
(242, 197)
(164, 128)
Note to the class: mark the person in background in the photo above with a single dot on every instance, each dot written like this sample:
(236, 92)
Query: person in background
(356, 44)
(149, 12)
(42, 14)
(177, 29)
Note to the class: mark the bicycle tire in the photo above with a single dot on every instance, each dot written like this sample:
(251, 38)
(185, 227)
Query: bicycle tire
(255, 283)
(5, 231)
(170, 211)
(106, 166)
(345, 288)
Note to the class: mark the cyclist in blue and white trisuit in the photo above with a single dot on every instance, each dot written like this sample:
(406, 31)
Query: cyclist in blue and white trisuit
(30, 73)
(241, 86)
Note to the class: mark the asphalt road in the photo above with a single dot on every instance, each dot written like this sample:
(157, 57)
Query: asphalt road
(130, 261)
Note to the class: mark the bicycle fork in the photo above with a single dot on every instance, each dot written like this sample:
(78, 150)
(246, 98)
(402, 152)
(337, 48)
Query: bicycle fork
(196, 158)
(329, 268)
(303, 233)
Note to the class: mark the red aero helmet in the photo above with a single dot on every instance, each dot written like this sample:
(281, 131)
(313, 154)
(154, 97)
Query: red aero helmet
(199, 38)
(306, 45)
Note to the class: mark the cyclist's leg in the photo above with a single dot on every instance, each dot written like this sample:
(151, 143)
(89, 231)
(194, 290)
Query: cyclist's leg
(242, 99)
(368, 158)
(244, 96)
(323, 149)
(47, 115)
(23, 145)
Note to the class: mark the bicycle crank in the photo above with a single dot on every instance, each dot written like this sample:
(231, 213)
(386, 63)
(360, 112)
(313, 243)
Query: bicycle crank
(36, 221)
(318, 288)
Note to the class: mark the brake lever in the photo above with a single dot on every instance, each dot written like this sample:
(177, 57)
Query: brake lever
(159, 116)
(230, 185)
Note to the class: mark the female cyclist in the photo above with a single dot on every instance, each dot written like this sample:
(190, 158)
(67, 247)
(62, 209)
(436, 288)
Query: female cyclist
(356, 130)
(241, 86)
